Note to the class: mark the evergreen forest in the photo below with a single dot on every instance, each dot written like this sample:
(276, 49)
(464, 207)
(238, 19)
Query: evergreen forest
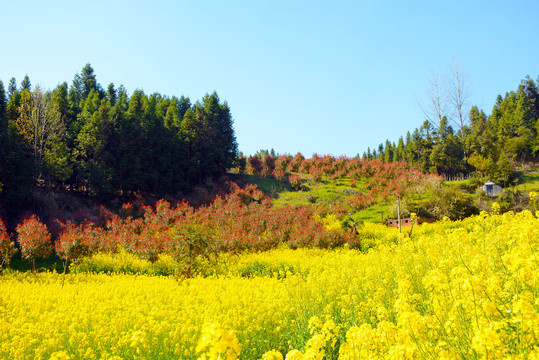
(104, 142)
(490, 145)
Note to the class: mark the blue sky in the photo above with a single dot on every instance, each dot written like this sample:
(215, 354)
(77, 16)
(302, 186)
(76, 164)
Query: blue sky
(331, 77)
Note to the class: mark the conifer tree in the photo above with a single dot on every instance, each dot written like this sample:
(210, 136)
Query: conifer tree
(15, 175)
(111, 94)
(25, 83)
(88, 80)
(12, 87)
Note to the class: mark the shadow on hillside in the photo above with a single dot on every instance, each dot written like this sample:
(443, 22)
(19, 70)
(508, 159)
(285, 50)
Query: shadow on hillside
(269, 186)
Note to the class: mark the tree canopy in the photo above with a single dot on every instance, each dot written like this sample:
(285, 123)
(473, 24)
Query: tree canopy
(103, 143)
(489, 145)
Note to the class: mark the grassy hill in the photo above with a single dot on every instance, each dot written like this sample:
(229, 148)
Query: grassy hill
(331, 192)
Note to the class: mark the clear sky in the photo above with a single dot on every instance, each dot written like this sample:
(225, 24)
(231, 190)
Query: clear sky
(331, 77)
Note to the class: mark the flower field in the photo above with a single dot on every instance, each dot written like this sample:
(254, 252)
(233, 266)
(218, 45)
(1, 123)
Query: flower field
(454, 290)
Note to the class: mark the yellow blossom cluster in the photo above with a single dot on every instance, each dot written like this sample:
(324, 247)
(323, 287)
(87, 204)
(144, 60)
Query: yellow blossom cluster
(455, 290)
(330, 221)
(217, 343)
(99, 316)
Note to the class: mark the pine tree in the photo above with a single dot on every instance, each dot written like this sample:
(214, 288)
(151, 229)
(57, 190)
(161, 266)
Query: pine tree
(184, 104)
(25, 84)
(88, 80)
(388, 153)
(172, 116)
(76, 92)
(3, 110)
(400, 153)
(15, 175)
(93, 169)
(111, 94)
(190, 130)
(12, 87)
(58, 161)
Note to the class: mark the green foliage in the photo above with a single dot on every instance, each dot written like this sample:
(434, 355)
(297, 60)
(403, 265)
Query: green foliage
(25, 83)
(530, 181)
(372, 235)
(88, 80)
(325, 192)
(192, 244)
(271, 187)
(469, 186)
(124, 262)
(483, 165)
(511, 129)
(7, 246)
(352, 223)
(260, 269)
(504, 167)
(105, 142)
(12, 87)
(451, 203)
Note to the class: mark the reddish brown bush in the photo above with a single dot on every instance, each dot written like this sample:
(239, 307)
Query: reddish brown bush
(34, 239)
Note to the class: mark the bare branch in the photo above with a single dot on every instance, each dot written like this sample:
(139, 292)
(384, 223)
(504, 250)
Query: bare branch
(435, 109)
(458, 93)
(448, 96)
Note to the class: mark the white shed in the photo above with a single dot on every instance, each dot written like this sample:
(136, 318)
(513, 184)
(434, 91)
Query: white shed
(491, 188)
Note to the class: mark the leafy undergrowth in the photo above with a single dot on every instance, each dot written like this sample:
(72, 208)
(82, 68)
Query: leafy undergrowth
(325, 191)
(246, 264)
(367, 189)
(269, 186)
(453, 290)
(531, 181)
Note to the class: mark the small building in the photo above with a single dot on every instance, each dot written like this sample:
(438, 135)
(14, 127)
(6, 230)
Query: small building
(491, 188)
(406, 222)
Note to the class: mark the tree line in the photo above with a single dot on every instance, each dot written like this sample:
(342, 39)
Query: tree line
(105, 142)
(489, 145)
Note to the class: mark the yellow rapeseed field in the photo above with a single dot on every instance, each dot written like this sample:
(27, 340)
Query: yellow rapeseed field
(454, 290)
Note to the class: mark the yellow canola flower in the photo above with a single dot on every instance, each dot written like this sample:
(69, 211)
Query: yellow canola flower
(217, 343)
(330, 222)
(60, 355)
(295, 355)
(272, 355)
(496, 208)
(469, 285)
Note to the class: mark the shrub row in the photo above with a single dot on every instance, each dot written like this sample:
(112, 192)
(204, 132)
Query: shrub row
(244, 220)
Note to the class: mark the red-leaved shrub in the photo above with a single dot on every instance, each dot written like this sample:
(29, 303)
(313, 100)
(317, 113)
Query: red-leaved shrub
(34, 239)
(7, 248)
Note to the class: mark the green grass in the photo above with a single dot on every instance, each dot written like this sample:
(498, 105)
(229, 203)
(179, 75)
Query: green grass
(531, 181)
(326, 191)
(269, 186)
(469, 186)
(330, 192)
(376, 213)
(53, 262)
(459, 184)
